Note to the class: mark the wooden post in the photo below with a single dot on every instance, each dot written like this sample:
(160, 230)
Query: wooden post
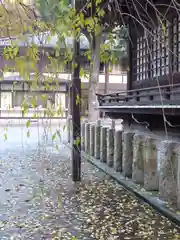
(76, 123)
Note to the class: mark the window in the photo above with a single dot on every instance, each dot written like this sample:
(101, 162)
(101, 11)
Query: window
(176, 44)
(17, 99)
(152, 53)
(142, 59)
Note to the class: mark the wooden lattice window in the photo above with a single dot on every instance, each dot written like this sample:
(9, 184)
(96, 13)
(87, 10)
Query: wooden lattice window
(176, 44)
(165, 49)
(142, 59)
(153, 53)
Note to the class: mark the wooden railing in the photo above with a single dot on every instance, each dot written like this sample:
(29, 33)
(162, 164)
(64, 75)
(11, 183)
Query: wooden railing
(169, 94)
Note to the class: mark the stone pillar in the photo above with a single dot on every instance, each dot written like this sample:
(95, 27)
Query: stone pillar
(83, 134)
(127, 139)
(98, 122)
(118, 151)
(168, 172)
(151, 176)
(97, 139)
(138, 159)
(110, 147)
(87, 138)
(178, 178)
(103, 144)
(92, 139)
(113, 124)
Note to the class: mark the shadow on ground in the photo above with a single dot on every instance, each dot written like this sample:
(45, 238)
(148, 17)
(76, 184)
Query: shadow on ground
(39, 201)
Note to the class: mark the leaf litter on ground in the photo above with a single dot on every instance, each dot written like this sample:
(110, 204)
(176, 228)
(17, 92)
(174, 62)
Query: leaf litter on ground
(96, 208)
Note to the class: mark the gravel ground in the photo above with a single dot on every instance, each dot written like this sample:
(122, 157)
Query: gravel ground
(39, 201)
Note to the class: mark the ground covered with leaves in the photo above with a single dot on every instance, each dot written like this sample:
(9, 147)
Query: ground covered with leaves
(39, 201)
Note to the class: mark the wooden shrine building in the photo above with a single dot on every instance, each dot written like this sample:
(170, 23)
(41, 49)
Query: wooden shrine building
(152, 98)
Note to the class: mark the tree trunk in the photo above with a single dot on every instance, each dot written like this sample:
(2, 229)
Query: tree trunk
(106, 77)
(93, 113)
(106, 81)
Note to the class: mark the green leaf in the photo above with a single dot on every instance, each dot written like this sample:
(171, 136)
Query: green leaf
(5, 137)
(58, 133)
(81, 72)
(74, 238)
(64, 127)
(54, 137)
(57, 148)
(77, 141)
(33, 102)
(28, 134)
(77, 99)
(28, 123)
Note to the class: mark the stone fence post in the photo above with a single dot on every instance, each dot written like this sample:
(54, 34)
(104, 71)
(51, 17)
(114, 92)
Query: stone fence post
(103, 144)
(178, 179)
(87, 138)
(83, 124)
(97, 139)
(127, 138)
(113, 124)
(138, 159)
(110, 147)
(168, 172)
(92, 139)
(118, 151)
(151, 176)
